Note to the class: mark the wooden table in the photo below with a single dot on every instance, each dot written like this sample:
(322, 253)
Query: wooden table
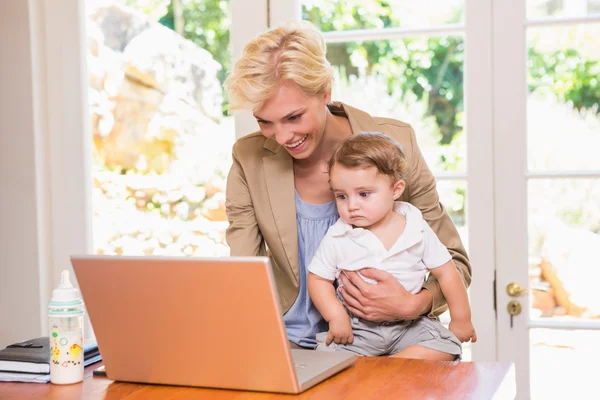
(370, 378)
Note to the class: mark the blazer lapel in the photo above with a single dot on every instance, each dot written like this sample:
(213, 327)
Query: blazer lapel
(279, 174)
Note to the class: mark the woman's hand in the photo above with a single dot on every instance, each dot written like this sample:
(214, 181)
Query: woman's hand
(385, 301)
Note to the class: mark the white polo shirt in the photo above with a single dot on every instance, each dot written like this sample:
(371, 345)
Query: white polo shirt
(416, 251)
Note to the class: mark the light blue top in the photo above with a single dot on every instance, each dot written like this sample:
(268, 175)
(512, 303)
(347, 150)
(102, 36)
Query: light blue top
(303, 320)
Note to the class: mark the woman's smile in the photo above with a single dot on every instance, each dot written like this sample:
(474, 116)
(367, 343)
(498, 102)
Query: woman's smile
(297, 145)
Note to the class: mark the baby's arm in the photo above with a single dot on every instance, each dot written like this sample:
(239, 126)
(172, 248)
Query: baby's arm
(321, 274)
(455, 293)
(439, 262)
(322, 293)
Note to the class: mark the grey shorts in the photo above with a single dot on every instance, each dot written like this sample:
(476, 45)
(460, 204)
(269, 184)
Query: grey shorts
(387, 338)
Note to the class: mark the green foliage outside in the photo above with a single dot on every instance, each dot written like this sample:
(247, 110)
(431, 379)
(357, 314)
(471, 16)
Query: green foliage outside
(567, 74)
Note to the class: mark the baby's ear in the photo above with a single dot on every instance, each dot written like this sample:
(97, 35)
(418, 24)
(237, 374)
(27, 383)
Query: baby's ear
(398, 188)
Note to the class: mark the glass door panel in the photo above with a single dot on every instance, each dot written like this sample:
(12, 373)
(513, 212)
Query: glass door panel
(563, 188)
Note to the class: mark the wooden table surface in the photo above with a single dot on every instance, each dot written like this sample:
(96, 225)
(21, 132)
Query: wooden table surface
(370, 378)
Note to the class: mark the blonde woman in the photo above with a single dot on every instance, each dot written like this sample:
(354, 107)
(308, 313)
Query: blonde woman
(279, 202)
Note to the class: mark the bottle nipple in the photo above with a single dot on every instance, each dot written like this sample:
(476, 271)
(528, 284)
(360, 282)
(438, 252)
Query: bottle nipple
(65, 292)
(65, 280)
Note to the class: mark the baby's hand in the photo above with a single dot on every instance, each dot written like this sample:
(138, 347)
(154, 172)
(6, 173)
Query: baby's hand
(463, 330)
(340, 330)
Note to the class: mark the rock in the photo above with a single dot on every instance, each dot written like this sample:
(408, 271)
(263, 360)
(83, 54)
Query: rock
(118, 24)
(153, 93)
(159, 58)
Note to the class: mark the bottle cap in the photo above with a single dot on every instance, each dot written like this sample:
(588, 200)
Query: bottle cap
(65, 295)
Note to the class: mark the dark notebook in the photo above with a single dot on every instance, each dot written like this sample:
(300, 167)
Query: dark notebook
(33, 356)
(28, 356)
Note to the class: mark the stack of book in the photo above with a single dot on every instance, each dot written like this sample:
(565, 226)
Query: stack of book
(29, 361)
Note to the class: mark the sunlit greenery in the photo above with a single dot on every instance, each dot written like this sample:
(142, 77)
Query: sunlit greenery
(568, 74)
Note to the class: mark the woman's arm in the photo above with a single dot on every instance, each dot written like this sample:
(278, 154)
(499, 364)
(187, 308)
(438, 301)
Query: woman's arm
(243, 235)
(422, 193)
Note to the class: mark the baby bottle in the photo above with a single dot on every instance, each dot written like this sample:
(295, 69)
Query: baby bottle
(65, 316)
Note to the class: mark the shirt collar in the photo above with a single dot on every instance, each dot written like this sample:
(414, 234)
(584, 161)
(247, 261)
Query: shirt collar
(340, 228)
(413, 232)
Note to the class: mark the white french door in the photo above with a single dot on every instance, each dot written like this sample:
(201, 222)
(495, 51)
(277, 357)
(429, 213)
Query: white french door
(530, 176)
(547, 186)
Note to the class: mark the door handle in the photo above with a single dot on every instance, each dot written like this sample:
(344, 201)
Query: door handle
(515, 290)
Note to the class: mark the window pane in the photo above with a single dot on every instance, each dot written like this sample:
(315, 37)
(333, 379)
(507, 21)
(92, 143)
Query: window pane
(562, 363)
(563, 131)
(340, 15)
(161, 140)
(564, 247)
(418, 81)
(562, 8)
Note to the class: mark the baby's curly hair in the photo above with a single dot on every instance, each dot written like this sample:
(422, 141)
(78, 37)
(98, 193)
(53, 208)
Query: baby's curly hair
(368, 149)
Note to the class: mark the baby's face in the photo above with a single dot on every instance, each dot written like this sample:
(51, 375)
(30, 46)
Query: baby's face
(363, 195)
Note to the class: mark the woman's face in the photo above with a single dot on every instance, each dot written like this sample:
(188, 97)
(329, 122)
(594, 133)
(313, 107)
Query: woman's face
(296, 121)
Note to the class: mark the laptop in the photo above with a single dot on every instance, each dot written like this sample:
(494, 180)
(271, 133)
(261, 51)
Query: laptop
(205, 322)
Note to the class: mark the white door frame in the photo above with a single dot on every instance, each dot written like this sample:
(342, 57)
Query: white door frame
(64, 148)
(480, 173)
(510, 184)
(275, 12)
(248, 19)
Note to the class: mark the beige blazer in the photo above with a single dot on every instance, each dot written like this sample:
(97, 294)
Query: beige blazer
(261, 206)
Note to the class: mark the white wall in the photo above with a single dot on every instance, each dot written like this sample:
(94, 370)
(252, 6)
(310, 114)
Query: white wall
(244, 28)
(20, 253)
(45, 157)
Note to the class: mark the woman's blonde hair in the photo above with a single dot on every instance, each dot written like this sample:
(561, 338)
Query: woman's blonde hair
(293, 52)
(371, 149)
